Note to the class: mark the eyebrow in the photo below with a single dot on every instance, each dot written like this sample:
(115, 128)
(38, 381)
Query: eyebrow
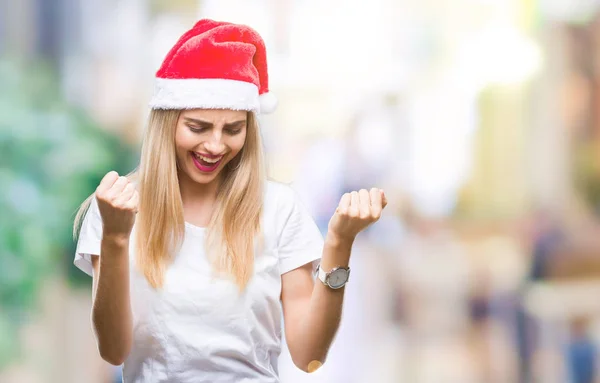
(210, 124)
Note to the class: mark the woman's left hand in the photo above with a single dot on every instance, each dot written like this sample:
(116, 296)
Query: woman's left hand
(355, 212)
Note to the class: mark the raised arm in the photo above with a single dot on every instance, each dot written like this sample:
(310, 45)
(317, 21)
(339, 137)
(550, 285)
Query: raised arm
(111, 311)
(312, 311)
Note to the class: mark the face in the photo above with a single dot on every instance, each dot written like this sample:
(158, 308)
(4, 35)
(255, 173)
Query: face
(206, 140)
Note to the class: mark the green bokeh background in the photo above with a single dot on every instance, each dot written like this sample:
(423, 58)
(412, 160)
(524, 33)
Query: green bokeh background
(52, 156)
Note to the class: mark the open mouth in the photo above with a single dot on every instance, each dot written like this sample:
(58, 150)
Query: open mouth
(205, 164)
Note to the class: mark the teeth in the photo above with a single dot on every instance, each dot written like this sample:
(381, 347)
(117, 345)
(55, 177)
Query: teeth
(209, 160)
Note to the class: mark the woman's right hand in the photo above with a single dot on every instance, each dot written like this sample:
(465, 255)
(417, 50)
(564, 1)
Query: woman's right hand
(118, 203)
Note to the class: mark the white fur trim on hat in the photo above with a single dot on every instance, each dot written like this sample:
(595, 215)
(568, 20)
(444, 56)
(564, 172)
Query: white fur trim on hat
(205, 94)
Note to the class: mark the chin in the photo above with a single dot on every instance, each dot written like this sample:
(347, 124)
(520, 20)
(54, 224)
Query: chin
(204, 178)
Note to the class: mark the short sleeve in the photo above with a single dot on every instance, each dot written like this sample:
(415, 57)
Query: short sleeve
(90, 236)
(300, 241)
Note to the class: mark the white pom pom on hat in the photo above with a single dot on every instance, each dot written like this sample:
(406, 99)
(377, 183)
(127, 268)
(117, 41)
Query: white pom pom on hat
(268, 102)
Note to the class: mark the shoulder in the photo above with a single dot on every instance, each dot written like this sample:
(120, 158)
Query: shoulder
(280, 204)
(279, 195)
(92, 211)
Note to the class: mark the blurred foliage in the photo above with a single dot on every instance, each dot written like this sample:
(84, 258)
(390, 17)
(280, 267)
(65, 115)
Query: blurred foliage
(52, 156)
(158, 7)
(587, 173)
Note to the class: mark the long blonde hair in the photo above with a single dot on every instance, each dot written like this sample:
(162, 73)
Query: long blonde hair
(235, 223)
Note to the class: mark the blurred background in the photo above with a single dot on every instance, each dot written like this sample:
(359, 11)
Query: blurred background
(479, 118)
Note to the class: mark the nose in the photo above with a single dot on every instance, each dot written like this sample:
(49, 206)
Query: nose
(214, 144)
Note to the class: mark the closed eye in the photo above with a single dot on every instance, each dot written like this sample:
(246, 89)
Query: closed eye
(230, 129)
(196, 129)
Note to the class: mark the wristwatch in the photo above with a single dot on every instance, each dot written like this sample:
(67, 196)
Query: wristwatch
(336, 278)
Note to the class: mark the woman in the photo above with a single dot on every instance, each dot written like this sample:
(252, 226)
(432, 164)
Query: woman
(195, 289)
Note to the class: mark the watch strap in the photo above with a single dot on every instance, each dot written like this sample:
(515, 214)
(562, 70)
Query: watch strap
(321, 274)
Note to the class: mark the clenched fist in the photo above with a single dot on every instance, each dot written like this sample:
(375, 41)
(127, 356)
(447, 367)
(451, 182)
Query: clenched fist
(355, 212)
(118, 204)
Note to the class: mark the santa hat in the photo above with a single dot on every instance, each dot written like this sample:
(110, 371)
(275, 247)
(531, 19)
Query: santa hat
(215, 65)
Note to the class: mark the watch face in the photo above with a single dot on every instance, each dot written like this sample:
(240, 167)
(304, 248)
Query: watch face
(338, 278)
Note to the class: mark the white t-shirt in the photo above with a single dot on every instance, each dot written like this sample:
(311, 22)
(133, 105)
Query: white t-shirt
(199, 328)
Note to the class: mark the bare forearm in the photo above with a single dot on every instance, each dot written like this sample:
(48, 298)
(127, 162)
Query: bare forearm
(111, 312)
(322, 319)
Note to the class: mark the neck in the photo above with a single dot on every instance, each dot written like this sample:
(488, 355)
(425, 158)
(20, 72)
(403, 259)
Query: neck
(193, 193)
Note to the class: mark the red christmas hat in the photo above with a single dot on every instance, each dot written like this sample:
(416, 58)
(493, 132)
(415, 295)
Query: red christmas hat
(215, 65)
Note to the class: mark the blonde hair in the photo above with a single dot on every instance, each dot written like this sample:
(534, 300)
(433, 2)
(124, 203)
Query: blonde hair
(160, 228)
